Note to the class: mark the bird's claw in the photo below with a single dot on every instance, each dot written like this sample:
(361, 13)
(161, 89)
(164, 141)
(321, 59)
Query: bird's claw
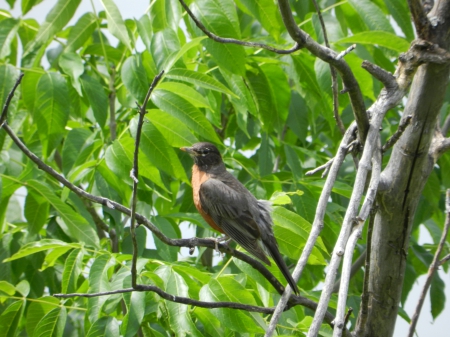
(223, 239)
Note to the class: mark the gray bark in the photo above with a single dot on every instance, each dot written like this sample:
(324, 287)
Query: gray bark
(403, 179)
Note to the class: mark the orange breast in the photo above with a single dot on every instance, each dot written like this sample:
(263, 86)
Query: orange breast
(198, 178)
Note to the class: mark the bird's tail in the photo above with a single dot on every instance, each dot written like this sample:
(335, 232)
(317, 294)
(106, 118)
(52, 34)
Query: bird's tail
(271, 245)
(276, 255)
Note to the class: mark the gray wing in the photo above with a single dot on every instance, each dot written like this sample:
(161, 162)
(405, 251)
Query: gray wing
(232, 211)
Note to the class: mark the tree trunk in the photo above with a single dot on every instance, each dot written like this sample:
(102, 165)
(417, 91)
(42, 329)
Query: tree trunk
(401, 185)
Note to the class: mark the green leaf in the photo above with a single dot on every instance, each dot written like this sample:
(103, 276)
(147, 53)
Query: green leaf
(52, 324)
(188, 93)
(99, 282)
(28, 4)
(7, 288)
(158, 151)
(36, 212)
(8, 77)
(400, 12)
(71, 272)
(134, 77)
(97, 98)
(175, 56)
(174, 131)
(165, 14)
(177, 314)
(29, 85)
(116, 25)
(183, 110)
(220, 18)
(73, 152)
(9, 319)
(135, 314)
(39, 246)
(292, 232)
(104, 326)
(228, 289)
(437, 295)
(72, 65)
(74, 224)
(119, 158)
(51, 110)
(37, 310)
(273, 95)
(372, 15)
(81, 32)
(198, 79)
(8, 30)
(380, 38)
(55, 21)
(165, 46)
(267, 13)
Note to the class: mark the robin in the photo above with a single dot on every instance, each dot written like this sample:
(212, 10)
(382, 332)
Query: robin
(228, 207)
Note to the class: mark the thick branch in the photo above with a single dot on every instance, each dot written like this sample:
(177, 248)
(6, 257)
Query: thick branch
(420, 19)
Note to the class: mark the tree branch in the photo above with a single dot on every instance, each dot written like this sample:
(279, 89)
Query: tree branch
(433, 268)
(219, 39)
(340, 320)
(396, 136)
(317, 224)
(420, 19)
(8, 101)
(334, 83)
(380, 74)
(329, 56)
(135, 174)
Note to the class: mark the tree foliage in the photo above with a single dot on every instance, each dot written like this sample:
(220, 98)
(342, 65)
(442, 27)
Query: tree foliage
(271, 114)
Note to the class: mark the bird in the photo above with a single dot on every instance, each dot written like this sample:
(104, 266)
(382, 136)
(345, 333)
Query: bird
(231, 209)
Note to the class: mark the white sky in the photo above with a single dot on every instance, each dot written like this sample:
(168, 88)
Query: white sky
(135, 9)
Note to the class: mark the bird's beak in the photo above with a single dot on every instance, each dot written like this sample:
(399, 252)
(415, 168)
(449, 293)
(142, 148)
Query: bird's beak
(189, 150)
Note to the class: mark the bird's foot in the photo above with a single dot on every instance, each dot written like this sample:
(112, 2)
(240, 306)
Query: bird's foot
(223, 239)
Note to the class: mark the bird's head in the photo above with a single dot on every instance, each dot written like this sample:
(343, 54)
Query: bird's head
(205, 155)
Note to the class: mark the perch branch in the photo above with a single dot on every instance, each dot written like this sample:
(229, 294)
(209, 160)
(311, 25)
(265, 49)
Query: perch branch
(380, 74)
(433, 267)
(193, 242)
(219, 39)
(345, 52)
(320, 168)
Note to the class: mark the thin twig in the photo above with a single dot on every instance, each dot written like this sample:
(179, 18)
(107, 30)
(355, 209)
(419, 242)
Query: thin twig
(320, 168)
(356, 266)
(219, 39)
(348, 315)
(176, 299)
(8, 100)
(433, 267)
(345, 52)
(135, 174)
(316, 227)
(112, 104)
(444, 259)
(396, 136)
(356, 234)
(334, 83)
